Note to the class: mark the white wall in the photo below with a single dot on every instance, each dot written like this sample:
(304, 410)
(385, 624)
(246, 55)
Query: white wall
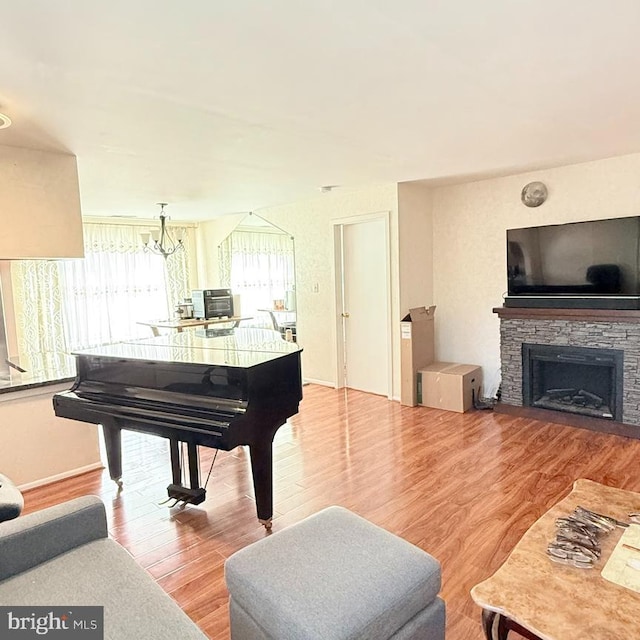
(415, 251)
(311, 225)
(38, 447)
(462, 226)
(209, 237)
(469, 245)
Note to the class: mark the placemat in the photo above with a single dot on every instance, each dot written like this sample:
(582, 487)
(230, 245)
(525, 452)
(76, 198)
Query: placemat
(619, 568)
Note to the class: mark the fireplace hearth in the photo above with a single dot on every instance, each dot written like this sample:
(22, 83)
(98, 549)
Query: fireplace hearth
(579, 380)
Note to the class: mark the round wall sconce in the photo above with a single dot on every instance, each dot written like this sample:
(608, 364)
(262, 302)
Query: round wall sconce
(534, 194)
(5, 121)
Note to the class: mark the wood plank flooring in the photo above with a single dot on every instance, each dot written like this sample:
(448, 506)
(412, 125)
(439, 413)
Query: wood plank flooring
(463, 487)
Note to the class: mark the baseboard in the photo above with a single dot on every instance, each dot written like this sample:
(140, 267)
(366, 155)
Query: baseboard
(322, 383)
(61, 476)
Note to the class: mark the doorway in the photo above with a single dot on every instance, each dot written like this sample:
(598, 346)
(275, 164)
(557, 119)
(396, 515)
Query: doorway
(363, 329)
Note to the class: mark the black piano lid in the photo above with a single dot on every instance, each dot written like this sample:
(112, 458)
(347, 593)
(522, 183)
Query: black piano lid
(245, 347)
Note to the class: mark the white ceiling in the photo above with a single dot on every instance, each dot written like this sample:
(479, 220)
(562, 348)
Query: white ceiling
(221, 106)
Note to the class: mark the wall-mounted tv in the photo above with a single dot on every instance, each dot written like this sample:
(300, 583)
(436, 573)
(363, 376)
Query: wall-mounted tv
(592, 264)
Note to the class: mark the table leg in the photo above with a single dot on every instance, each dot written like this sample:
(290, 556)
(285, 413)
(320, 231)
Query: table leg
(497, 627)
(494, 625)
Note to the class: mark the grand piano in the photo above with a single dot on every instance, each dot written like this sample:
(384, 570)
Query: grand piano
(208, 387)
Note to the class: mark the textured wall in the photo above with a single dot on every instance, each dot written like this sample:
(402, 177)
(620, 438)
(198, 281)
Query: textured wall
(469, 244)
(208, 238)
(604, 335)
(469, 252)
(415, 246)
(310, 222)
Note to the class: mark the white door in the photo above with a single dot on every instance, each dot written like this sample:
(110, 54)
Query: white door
(363, 304)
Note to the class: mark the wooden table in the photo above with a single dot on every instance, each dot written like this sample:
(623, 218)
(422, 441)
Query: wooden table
(542, 599)
(181, 325)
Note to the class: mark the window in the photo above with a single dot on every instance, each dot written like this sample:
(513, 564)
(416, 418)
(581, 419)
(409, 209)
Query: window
(259, 266)
(64, 305)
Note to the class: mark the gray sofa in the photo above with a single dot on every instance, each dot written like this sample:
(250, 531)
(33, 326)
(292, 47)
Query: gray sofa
(11, 500)
(63, 556)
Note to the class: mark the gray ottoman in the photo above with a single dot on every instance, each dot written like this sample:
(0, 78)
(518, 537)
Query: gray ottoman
(11, 500)
(334, 576)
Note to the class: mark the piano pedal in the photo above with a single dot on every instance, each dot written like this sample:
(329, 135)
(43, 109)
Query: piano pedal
(186, 495)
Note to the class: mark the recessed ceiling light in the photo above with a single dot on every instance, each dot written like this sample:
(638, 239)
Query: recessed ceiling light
(5, 121)
(328, 188)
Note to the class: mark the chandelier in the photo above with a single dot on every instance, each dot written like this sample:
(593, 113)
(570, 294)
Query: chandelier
(163, 243)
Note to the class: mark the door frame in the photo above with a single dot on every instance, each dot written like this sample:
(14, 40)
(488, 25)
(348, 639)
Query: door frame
(338, 268)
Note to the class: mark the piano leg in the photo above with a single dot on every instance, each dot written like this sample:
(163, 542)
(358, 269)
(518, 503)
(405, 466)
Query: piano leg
(194, 494)
(194, 465)
(262, 472)
(113, 444)
(176, 470)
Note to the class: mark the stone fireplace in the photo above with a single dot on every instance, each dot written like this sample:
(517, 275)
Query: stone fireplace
(584, 362)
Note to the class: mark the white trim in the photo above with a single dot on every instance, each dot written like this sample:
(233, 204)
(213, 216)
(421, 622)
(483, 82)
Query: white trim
(322, 383)
(338, 225)
(120, 221)
(338, 267)
(61, 476)
(32, 392)
(364, 217)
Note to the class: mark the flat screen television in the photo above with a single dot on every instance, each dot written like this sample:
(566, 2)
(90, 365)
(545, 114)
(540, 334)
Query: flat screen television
(592, 264)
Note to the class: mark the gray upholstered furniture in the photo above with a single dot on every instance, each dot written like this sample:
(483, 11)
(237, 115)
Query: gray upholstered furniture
(11, 500)
(63, 556)
(334, 576)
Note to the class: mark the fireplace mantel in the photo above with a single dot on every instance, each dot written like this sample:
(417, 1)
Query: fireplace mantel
(584, 315)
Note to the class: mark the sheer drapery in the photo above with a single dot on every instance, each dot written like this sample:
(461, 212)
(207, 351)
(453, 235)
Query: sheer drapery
(75, 304)
(259, 266)
(38, 308)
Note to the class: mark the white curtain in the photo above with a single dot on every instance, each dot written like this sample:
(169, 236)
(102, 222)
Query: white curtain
(37, 304)
(75, 304)
(259, 266)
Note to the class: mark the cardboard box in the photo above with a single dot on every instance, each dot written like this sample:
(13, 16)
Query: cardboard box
(416, 350)
(450, 386)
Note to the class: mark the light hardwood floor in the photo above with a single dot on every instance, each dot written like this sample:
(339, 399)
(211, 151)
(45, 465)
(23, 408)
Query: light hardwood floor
(463, 487)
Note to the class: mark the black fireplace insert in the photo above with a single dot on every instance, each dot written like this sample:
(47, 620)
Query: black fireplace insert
(582, 380)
